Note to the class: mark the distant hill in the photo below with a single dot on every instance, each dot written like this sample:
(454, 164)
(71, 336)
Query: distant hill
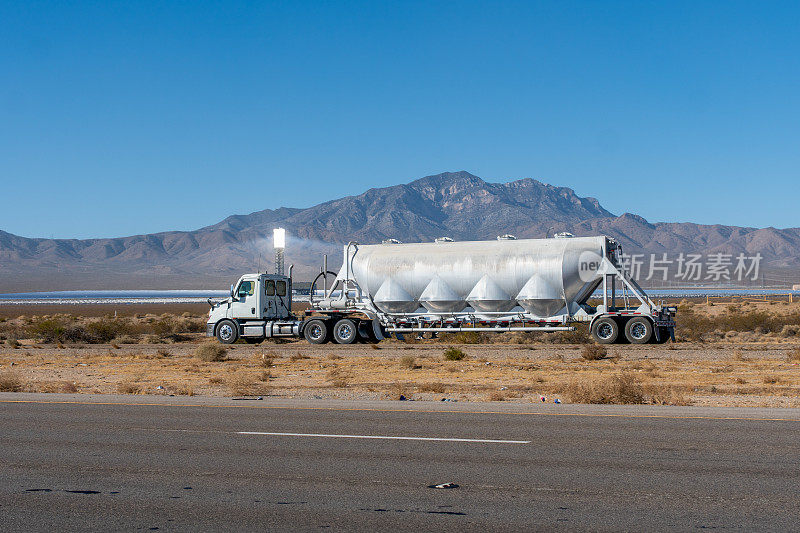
(454, 204)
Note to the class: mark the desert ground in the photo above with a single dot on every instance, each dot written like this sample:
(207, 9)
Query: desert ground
(736, 353)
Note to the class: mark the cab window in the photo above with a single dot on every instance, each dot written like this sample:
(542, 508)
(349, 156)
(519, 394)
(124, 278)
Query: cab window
(281, 288)
(246, 288)
(270, 288)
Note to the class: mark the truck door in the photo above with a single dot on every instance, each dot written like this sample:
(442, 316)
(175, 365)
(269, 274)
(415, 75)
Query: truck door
(270, 307)
(247, 304)
(282, 298)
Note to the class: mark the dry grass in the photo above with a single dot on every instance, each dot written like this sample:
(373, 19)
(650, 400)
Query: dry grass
(739, 356)
(398, 390)
(129, 388)
(10, 382)
(624, 388)
(496, 396)
(244, 383)
(63, 387)
(211, 351)
(298, 357)
(436, 387)
(793, 355)
(266, 360)
(594, 352)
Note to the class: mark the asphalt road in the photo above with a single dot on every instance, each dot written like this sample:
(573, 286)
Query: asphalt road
(135, 463)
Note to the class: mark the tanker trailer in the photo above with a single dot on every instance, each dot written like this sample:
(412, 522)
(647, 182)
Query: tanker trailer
(501, 285)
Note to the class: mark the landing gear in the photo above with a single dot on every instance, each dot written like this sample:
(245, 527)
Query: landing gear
(663, 336)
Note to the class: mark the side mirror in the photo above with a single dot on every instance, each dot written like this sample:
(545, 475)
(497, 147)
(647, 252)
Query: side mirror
(231, 291)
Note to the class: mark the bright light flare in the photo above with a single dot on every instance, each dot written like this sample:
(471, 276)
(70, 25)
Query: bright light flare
(279, 238)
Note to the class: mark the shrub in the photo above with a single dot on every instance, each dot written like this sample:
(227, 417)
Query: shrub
(793, 355)
(245, 384)
(65, 387)
(594, 352)
(52, 330)
(454, 354)
(266, 360)
(496, 396)
(464, 337)
(408, 361)
(623, 388)
(129, 388)
(10, 382)
(298, 356)
(211, 352)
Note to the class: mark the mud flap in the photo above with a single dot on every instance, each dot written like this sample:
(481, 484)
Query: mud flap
(377, 330)
(672, 334)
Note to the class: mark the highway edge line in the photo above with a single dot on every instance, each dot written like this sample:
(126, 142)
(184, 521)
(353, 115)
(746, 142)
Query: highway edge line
(445, 411)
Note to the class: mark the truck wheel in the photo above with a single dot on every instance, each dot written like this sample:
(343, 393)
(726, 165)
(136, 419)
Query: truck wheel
(227, 332)
(316, 332)
(639, 330)
(345, 331)
(605, 330)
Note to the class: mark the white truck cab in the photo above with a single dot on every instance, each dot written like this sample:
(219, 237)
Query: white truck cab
(259, 306)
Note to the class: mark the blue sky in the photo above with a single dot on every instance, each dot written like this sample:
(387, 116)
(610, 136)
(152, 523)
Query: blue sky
(119, 118)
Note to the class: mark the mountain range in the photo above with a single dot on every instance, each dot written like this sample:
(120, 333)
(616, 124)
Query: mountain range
(453, 204)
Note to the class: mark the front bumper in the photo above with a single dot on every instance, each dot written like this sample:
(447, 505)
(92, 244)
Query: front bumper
(210, 329)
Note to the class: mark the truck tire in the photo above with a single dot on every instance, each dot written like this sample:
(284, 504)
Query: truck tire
(345, 331)
(639, 330)
(227, 332)
(605, 330)
(316, 331)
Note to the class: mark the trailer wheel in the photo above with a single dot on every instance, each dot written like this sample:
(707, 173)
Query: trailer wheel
(227, 332)
(316, 332)
(345, 331)
(605, 330)
(639, 330)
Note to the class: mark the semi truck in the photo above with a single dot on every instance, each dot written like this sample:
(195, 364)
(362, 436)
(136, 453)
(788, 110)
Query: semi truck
(393, 289)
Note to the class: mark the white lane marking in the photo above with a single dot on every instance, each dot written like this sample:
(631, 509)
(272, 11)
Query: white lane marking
(382, 437)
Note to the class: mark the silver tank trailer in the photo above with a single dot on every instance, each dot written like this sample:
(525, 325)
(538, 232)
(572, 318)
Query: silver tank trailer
(540, 275)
